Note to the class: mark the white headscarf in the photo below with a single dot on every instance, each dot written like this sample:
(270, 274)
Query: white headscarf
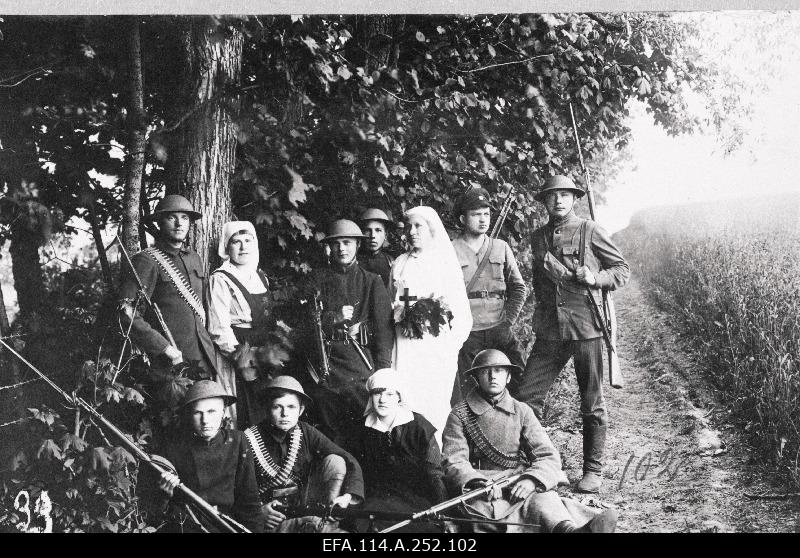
(245, 273)
(388, 379)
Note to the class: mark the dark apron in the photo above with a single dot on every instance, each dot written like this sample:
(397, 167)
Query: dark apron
(250, 410)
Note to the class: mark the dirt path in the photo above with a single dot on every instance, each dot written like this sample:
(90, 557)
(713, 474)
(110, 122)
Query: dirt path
(674, 462)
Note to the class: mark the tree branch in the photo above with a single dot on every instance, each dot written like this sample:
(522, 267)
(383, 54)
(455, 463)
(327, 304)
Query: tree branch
(504, 64)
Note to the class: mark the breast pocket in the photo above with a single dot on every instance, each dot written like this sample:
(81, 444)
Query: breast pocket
(570, 255)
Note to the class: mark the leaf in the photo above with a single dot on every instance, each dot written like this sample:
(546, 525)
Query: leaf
(120, 457)
(299, 222)
(297, 193)
(420, 37)
(134, 396)
(49, 450)
(400, 170)
(344, 72)
(111, 394)
(380, 166)
(491, 50)
(72, 441)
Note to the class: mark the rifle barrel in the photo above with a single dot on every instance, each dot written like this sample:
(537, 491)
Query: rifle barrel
(130, 445)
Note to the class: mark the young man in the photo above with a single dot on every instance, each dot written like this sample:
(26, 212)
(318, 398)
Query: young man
(356, 321)
(298, 465)
(173, 278)
(564, 322)
(491, 434)
(496, 294)
(213, 462)
(375, 226)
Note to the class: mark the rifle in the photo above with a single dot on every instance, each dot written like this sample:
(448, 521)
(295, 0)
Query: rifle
(220, 520)
(143, 293)
(319, 339)
(609, 321)
(447, 504)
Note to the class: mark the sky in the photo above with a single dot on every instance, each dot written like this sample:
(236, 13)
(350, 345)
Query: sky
(667, 170)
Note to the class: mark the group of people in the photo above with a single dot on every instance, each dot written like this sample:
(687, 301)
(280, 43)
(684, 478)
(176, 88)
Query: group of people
(426, 393)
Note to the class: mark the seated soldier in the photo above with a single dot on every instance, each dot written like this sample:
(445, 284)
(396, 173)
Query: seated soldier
(212, 461)
(296, 465)
(398, 452)
(491, 434)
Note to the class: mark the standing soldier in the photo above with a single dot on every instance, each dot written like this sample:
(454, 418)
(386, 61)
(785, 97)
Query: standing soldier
(496, 290)
(356, 322)
(375, 226)
(572, 257)
(172, 276)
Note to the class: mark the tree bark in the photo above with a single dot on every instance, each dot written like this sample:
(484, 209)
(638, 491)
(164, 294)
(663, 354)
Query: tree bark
(137, 142)
(375, 40)
(202, 150)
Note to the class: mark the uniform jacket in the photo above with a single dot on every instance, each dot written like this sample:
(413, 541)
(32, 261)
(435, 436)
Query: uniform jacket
(511, 427)
(500, 274)
(190, 334)
(562, 307)
(379, 263)
(314, 446)
(221, 472)
(352, 286)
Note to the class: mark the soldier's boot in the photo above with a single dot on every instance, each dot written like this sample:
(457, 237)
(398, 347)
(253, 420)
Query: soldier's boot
(594, 442)
(604, 522)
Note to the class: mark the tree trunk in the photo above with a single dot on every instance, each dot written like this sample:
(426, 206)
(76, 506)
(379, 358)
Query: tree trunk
(137, 142)
(29, 220)
(9, 367)
(202, 148)
(375, 40)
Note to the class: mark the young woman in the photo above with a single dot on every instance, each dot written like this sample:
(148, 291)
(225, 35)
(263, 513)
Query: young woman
(398, 452)
(238, 314)
(429, 269)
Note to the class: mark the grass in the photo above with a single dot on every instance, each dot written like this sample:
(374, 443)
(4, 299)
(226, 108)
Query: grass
(730, 273)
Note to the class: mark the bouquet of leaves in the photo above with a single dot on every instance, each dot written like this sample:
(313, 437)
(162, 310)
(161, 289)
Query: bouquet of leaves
(428, 315)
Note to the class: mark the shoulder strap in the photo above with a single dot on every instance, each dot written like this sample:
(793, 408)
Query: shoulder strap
(179, 280)
(475, 435)
(481, 266)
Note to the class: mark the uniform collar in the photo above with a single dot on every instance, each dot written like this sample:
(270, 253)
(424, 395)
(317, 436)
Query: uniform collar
(347, 268)
(183, 250)
(199, 441)
(479, 405)
(568, 218)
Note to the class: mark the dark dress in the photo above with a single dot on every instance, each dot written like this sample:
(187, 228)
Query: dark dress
(402, 470)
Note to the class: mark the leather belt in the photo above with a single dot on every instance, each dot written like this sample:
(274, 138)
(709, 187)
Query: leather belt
(340, 335)
(486, 294)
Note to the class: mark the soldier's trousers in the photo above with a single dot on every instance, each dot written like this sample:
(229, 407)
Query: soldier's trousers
(545, 362)
(498, 337)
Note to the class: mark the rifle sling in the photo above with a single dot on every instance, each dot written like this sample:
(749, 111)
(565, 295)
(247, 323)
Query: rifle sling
(481, 266)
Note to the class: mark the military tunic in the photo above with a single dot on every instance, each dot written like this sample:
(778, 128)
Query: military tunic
(566, 325)
(495, 300)
(222, 472)
(512, 428)
(191, 336)
(339, 404)
(379, 263)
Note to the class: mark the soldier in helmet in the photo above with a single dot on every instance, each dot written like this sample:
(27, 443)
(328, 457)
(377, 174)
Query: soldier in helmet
(173, 277)
(375, 226)
(496, 290)
(491, 434)
(297, 465)
(356, 322)
(571, 255)
(212, 461)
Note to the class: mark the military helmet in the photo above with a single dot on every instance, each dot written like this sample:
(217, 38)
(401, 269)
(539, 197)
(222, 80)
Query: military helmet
(206, 389)
(492, 357)
(472, 199)
(287, 383)
(343, 228)
(174, 203)
(374, 214)
(558, 182)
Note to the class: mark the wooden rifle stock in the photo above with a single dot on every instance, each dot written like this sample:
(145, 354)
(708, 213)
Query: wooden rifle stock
(213, 515)
(447, 504)
(319, 338)
(609, 320)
